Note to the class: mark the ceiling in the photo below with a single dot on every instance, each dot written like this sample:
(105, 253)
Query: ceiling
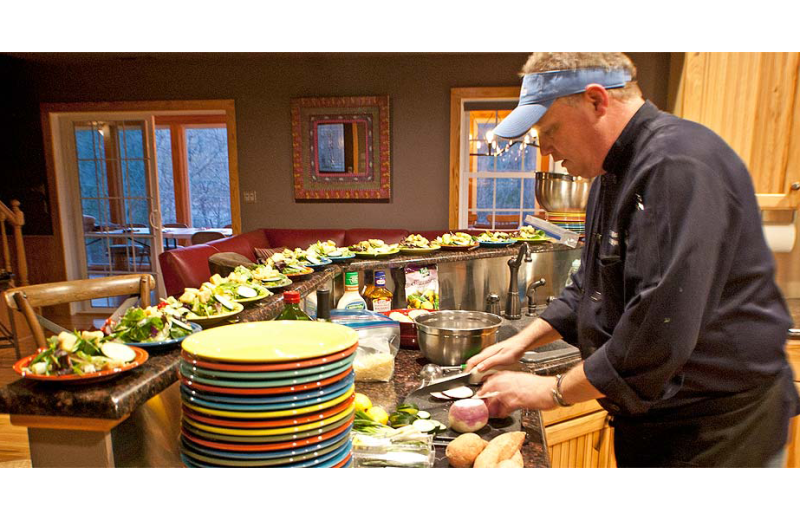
(83, 57)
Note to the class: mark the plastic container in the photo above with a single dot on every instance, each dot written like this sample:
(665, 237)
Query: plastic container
(378, 343)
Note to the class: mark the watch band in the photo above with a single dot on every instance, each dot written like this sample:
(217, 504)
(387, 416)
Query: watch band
(557, 397)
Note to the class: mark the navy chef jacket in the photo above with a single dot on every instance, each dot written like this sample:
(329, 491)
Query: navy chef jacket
(675, 300)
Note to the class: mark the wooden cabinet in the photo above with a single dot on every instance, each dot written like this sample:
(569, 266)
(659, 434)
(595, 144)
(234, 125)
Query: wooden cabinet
(793, 447)
(579, 437)
(752, 100)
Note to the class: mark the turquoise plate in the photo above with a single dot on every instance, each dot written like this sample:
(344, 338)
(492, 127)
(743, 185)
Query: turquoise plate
(272, 399)
(277, 374)
(314, 457)
(326, 461)
(167, 343)
(325, 262)
(270, 383)
(211, 436)
(266, 455)
(342, 258)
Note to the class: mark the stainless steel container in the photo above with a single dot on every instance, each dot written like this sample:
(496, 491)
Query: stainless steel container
(562, 193)
(452, 337)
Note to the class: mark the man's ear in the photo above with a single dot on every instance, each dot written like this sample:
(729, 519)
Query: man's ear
(597, 96)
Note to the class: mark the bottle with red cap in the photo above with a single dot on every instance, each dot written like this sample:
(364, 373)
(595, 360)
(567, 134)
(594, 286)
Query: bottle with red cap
(291, 308)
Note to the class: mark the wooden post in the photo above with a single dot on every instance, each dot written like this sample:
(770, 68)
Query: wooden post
(22, 263)
(6, 253)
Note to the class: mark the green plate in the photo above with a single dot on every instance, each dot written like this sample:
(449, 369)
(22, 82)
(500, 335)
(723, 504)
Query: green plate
(276, 374)
(364, 254)
(228, 383)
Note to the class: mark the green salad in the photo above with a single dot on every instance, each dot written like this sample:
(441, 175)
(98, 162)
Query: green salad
(79, 353)
(152, 324)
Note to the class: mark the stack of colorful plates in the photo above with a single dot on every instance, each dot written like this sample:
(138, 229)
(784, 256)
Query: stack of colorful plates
(268, 394)
(572, 221)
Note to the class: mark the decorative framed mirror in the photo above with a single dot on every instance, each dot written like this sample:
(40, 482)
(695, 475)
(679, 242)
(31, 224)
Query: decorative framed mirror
(341, 149)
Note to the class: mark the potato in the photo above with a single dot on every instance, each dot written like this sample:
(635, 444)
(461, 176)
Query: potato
(499, 449)
(464, 449)
(514, 462)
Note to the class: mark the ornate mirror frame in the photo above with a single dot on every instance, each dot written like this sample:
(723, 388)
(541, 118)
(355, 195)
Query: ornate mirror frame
(366, 176)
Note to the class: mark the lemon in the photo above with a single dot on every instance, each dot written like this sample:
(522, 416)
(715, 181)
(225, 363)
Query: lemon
(362, 403)
(378, 414)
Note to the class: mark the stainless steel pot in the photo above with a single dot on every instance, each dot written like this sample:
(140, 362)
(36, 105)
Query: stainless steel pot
(452, 337)
(563, 193)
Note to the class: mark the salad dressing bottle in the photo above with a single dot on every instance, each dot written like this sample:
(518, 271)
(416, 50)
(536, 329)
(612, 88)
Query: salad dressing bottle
(369, 285)
(380, 299)
(351, 300)
(291, 308)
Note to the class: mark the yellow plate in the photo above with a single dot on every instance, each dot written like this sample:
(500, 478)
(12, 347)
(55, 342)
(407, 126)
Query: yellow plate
(419, 250)
(273, 431)
(277, 413)
(206, 321)
(270, 341)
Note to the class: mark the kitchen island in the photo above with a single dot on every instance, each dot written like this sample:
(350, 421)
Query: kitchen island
(134, 419)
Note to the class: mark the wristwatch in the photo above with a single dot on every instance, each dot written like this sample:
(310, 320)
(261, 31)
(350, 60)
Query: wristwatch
(556, 391)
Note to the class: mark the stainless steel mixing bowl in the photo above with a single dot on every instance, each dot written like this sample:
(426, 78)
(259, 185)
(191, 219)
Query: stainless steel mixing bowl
(562, 193)
(452, 337)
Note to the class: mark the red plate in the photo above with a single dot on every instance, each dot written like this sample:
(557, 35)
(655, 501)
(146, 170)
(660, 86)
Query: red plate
(265, 391)
(275, 423)
(272, 446)
(249, 367)
(345, 462)
(141, 357)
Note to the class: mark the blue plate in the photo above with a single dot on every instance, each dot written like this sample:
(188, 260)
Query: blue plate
(327, 461)
(276, 374)
(313, 458)
(272, 399)
(343, 258)
(239, 439)
(321, 265)
(167, 343)
(497, 244)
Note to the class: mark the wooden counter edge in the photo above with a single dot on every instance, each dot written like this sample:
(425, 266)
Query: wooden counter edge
(66, 423)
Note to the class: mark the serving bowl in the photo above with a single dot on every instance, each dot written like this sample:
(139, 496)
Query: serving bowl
(452, 337)
(561, 192)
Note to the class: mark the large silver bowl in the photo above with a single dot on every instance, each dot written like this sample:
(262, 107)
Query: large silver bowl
(562, 193)
(452, 337)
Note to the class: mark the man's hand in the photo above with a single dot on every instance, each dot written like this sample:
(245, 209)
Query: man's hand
(516, 390)
(503, 353)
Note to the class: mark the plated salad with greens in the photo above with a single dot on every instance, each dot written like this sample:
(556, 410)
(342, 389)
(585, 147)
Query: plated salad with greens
(151, 324)
(79, 353)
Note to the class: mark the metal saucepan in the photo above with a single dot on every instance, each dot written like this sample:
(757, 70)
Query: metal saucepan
(452, 337)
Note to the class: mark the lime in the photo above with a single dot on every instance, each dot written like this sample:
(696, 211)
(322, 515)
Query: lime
(362, 403)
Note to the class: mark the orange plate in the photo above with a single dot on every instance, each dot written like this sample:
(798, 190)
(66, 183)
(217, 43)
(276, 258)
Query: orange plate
(345, 462)
(265, 391)
(304, 272)
(141, 357)
(275, 423)
(267, 367)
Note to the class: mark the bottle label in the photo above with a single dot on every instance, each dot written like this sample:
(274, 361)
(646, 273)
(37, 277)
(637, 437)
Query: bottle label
(355, 306)
(381, 305)
(380, 281)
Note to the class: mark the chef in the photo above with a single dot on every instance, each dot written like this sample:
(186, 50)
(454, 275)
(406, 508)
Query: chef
(680, 324)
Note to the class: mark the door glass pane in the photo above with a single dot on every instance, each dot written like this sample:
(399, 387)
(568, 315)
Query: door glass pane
(131, 145)
(209, 181)
(166, 182)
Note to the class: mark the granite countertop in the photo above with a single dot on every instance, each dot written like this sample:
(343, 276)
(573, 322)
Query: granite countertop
(116, 398)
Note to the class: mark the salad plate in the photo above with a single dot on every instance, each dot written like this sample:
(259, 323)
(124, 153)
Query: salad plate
(344, 257)
(384, 254)
(499, 243)
(201, 447)
(274, 374)
(323, 262)
(531, 240)
(298, 272)
(468, 247)
(247, 422)
(265, 391)
(167, 343)
(280, 441)
(188, 373)
(270, 341)
(419, 250)
(280, 283)
(101, 375)
(208, 321)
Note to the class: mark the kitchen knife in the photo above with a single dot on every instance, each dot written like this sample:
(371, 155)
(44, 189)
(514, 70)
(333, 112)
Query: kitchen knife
(464, 378)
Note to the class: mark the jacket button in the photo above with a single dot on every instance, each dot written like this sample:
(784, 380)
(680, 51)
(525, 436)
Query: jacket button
(596, 296)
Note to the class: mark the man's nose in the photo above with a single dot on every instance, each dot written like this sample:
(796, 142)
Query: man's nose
(544, 146)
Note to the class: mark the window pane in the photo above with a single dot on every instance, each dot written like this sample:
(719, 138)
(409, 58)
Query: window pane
(528, 193)
(508, 193)
(209, 182)
(131, 145)
(166, 182)
(483, 191)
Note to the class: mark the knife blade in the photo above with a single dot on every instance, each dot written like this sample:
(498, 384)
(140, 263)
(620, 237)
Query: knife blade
(464, 378)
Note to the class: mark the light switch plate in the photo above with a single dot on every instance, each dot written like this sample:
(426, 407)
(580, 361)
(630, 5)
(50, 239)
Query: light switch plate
(250, 197)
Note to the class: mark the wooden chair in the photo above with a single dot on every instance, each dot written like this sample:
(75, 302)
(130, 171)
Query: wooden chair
(24, 299)
(504, 221)
(201, 237)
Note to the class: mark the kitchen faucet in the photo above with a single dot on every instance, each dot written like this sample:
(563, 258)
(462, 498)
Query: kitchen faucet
(513, 311)
(530, 293)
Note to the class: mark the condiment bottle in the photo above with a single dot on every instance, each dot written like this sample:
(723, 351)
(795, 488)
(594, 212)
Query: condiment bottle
(381, 298)
(369, 285)
(291, 308)
(323, 305)
(351, 300)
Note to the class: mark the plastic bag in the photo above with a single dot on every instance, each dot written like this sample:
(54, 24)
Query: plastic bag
(378, 343)
(422, 287)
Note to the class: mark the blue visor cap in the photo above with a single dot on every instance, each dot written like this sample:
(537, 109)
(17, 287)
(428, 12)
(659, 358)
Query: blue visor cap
(540, 89)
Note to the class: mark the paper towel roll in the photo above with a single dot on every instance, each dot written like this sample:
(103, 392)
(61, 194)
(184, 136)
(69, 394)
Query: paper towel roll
(780, 237)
